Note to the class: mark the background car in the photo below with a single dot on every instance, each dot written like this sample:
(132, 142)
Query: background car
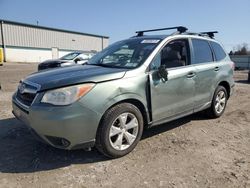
(67, 60)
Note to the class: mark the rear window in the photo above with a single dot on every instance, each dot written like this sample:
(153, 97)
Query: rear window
(202, 51)
(218, 50)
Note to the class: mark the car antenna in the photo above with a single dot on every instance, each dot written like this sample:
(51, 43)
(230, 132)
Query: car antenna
(180, 29)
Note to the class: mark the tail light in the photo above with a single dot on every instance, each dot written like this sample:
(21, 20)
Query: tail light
(232, 65)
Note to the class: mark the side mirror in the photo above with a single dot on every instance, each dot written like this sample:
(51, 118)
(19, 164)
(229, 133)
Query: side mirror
(163, 73)
(77, 59)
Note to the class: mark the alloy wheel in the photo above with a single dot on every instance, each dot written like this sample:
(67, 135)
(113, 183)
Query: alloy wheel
(123, 131)
(220, 102)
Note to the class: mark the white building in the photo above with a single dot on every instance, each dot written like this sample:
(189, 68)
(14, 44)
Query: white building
(20, 42)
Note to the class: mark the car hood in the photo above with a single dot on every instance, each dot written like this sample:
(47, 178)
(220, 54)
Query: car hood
(52, 61)
(56, 78)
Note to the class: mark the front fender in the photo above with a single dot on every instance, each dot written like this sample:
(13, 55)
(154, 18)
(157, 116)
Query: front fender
(106, 94)
(126, 97)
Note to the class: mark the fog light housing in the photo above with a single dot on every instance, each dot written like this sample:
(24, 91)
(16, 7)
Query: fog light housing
(58, 142)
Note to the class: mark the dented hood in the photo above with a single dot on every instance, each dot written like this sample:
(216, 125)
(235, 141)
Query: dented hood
(60, 77)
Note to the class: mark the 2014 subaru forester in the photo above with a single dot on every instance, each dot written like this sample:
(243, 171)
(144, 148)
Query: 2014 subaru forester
(132, 84)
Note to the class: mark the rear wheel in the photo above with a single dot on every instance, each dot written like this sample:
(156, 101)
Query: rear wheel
(219, 102)
(120, 130)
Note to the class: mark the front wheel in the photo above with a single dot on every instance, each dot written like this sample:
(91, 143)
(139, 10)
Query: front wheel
(120, 130)
(219, 102)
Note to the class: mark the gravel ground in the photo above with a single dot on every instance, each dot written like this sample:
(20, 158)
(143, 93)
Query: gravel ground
(190, 152)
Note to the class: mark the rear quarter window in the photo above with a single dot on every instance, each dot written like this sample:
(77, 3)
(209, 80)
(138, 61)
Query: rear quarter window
(218, 51)
(202, 51)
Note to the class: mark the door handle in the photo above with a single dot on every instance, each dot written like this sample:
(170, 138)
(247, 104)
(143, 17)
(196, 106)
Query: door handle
(190, 75)
(216, 69)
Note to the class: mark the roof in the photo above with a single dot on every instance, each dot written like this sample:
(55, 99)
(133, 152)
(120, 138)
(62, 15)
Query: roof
(50, 28)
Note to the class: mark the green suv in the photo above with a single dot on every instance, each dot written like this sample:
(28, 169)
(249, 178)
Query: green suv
(136, 83)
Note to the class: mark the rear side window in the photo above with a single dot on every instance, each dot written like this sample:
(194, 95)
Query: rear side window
(202, 51)
(218, 50)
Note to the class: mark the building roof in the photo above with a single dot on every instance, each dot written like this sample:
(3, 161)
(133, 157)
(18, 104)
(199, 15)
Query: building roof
(50, 28)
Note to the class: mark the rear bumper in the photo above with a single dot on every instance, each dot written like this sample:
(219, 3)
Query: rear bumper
(67, 127)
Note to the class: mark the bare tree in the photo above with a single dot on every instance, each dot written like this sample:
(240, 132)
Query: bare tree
(241, 49)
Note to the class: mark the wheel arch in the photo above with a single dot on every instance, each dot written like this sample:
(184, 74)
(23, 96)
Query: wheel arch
(226, 85)
(136, 102)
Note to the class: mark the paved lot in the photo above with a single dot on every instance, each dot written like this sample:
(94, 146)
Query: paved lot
(190, 152)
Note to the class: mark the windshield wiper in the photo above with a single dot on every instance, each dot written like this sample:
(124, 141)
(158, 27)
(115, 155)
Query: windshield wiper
(103, 65)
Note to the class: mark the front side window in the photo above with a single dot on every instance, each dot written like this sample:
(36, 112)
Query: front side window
(202, 51)
(83, 56)
(218, 50)
(129, 53)
(70, 56)
(174, 54)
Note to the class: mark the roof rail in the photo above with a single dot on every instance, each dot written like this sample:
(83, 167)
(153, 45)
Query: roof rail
(180, 29)
(209, 33)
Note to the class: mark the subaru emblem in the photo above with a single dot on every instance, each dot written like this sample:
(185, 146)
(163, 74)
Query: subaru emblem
(21, 88)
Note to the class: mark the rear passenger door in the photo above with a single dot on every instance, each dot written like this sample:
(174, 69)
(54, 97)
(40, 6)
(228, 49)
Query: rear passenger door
(206, 69)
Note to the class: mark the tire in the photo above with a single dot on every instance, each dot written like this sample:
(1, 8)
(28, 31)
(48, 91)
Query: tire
(219, 102)
(113, 137)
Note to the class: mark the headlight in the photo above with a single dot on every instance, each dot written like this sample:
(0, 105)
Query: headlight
(66, 95)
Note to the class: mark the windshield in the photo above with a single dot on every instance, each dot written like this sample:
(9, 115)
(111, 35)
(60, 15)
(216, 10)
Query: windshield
(70, 56)
(129, 53)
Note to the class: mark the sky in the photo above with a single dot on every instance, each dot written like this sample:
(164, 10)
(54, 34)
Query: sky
(120, 19)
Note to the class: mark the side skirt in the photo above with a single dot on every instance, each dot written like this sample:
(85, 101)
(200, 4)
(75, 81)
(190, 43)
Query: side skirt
(171, 118)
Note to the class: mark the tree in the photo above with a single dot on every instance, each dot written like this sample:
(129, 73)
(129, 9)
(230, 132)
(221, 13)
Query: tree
(241, 49)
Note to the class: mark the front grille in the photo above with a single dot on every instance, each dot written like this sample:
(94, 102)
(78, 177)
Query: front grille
(25, 98)
(26, 93)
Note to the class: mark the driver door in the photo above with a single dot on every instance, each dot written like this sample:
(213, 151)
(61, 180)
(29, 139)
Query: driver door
(175, 96)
